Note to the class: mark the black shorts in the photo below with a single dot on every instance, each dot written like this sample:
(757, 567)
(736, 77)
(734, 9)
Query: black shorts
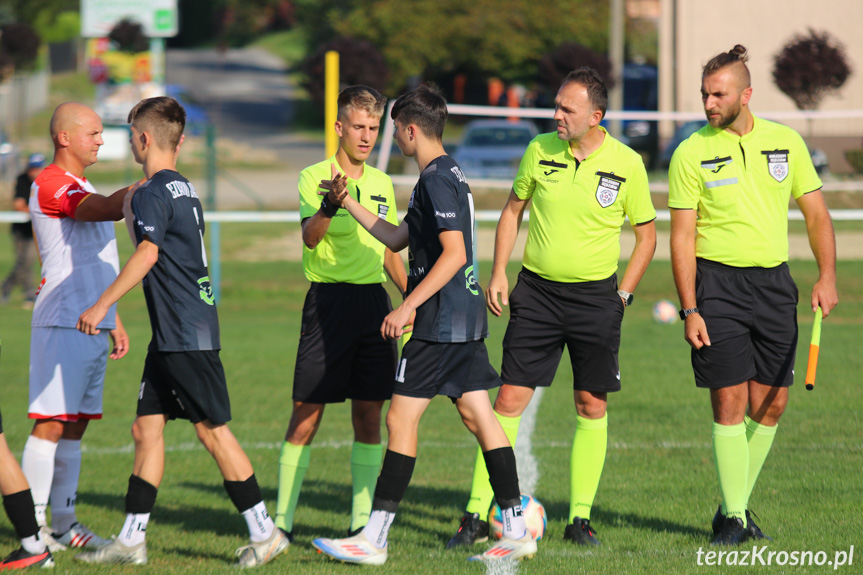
(429, 368)
(751, 318)
(341, 354)
(546, 315)
(187, 385)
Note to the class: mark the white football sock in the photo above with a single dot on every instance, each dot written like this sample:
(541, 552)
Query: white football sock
(259, 522)
(134, 529)
(38, 466)
(64, 489)
(33, 545)
(378, 527)
(513, 522)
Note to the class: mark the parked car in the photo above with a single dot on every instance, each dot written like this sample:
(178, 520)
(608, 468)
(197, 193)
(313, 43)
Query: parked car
(196, 115)
(819, 158)
(493, 148)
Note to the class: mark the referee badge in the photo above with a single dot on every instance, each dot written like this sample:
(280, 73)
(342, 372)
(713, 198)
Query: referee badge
(777, 163)
(608, 188)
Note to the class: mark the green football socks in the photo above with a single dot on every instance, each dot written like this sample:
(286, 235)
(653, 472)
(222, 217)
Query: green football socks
(293, 463)
(760, 438)
(481, 493)
(731, 452)
(365, 466)
(588, 458)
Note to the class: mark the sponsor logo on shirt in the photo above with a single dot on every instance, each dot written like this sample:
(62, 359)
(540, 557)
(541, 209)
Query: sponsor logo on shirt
(470, 282)
(206, 290)
(445, 215)
(458, 174)
(382, 211)
(61, 191)
(716, 164)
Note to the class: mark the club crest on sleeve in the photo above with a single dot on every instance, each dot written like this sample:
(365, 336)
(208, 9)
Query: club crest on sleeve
(777, 163)
(608, 188)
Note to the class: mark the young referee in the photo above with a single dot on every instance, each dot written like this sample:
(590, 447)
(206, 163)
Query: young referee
(343, 310)
(446, 354)
(729, 188)
(183, 375)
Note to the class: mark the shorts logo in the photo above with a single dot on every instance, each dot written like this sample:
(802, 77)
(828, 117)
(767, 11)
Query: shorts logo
(470, 281)
(400, 373)
(206, 290)
(141, 391)
(608, 188)
(777, 163)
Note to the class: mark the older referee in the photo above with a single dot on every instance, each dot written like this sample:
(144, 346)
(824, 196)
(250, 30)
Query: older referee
(730, 184)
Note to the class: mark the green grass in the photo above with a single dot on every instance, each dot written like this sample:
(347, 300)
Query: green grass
(658, 490)
(289, 45)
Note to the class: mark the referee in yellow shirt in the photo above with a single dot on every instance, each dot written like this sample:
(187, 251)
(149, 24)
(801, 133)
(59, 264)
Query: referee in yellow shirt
(582, 184)
(729, 188)
(341, 354)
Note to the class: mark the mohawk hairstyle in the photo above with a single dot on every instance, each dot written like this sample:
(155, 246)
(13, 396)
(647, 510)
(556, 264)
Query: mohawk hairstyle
(737, 55)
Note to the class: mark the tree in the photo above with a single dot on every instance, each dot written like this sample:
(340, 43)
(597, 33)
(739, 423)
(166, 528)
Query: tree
(359, 63)
(20, 43)
(809, 67)
(568, 56)
(129, 37)
(484, 38)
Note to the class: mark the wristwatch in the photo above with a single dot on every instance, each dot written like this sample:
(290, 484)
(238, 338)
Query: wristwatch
(626, 297)
(687, 312)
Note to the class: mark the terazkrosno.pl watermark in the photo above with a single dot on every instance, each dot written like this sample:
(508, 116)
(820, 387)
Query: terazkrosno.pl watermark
(764, 556)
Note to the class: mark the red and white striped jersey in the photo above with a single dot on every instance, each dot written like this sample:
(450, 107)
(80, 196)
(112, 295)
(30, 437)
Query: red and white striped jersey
(79, 259)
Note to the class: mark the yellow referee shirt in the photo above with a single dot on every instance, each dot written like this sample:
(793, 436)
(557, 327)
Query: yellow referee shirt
(347, 253)
(578, 209)
(741, 187)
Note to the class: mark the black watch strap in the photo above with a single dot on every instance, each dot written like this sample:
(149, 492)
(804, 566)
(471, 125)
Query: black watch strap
(328, 209)
(684, 313)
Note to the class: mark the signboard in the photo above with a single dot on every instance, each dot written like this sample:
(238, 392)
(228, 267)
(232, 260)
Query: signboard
(157, 17)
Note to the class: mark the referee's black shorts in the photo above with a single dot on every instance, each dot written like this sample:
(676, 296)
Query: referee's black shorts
(546, 315)
(185, 384)
(751, 319)
(341, 354)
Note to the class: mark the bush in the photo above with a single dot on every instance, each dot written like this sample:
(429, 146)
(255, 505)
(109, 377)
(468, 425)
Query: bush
(855, 158)
(359, 63)
(809, 67)
(20, 43)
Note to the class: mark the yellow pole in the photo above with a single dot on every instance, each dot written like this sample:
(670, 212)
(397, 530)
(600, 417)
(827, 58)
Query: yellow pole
(331, 96)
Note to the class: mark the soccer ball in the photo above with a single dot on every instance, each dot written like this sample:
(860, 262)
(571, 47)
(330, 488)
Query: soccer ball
(534, 518)
(664, 311)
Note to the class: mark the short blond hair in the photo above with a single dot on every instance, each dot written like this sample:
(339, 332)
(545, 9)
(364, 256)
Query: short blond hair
(162, 117)
(361, 97)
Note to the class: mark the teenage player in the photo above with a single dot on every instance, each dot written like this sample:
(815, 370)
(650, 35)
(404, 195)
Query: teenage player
(582, 184)
(446, 354)
(183, 375)
(343, 311)
(18, 502)
(73, 227)
(729, 187)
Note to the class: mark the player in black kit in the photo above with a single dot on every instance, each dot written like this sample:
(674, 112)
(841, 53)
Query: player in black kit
(183, 375)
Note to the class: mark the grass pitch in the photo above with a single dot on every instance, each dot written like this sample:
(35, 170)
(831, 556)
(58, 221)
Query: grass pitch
(658, 491)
